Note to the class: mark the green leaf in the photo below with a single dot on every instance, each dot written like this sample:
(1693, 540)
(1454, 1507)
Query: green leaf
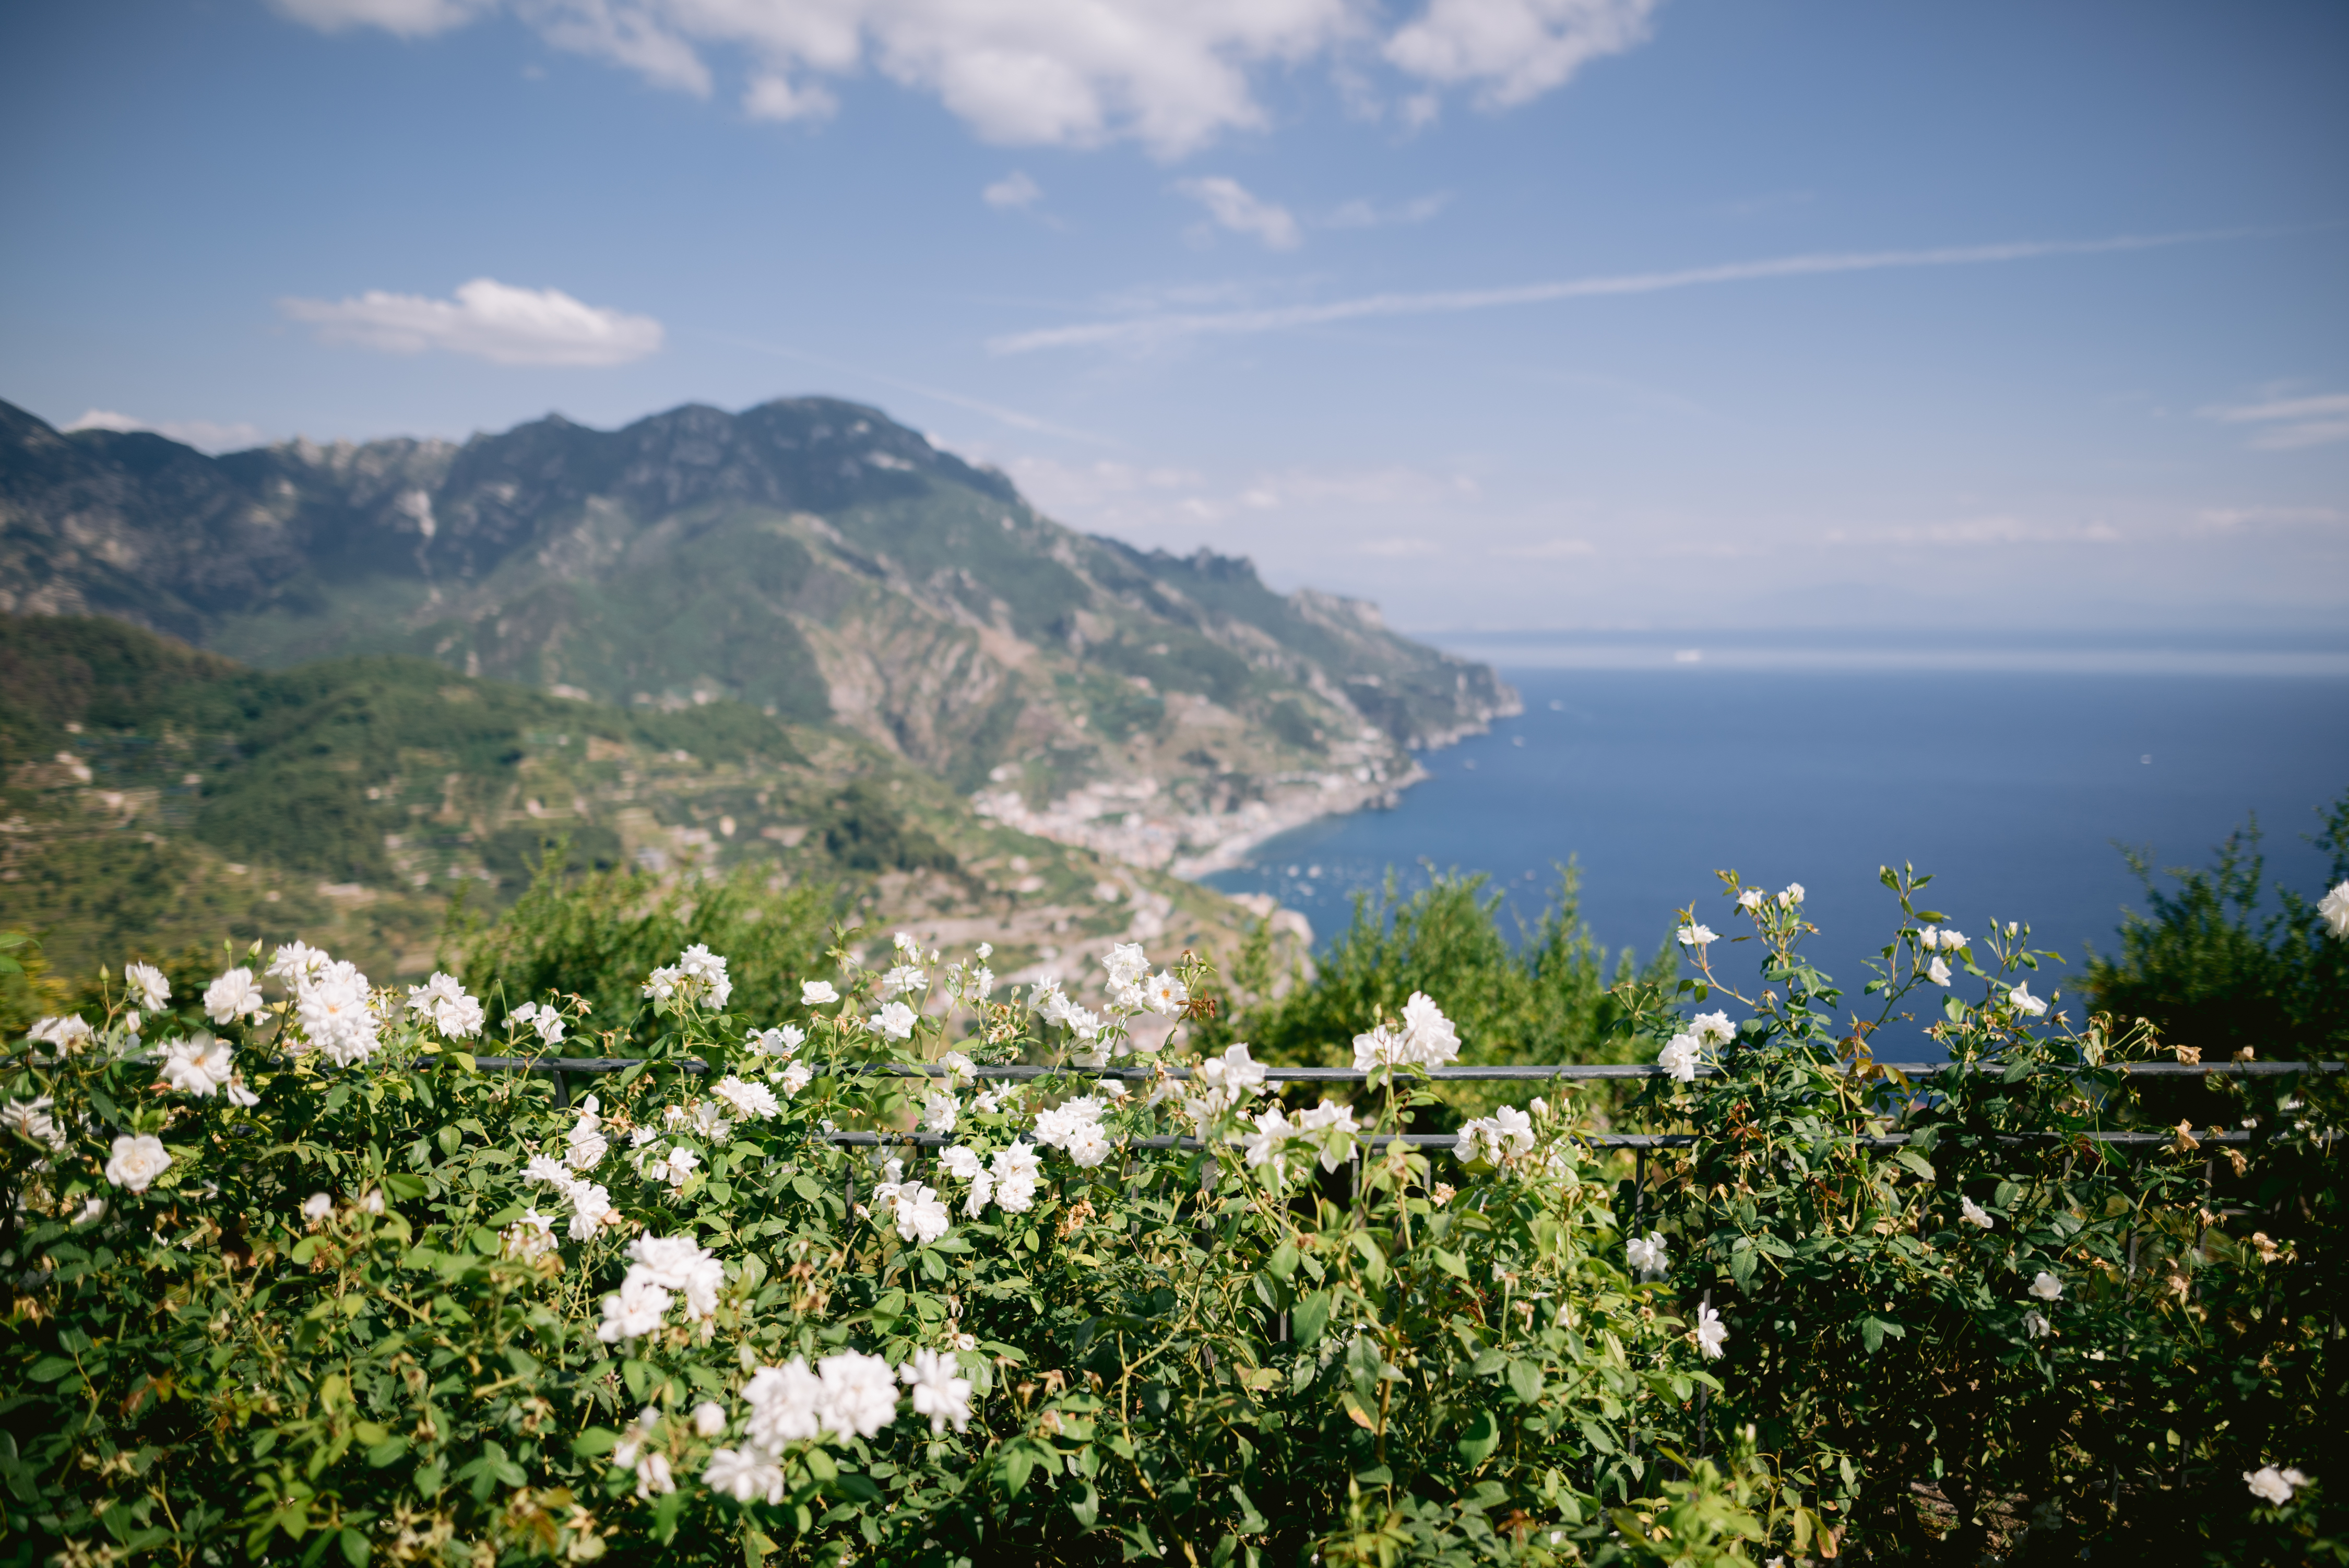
(1525, 1381)
(1086, 1505)
(355, 1548)
(806, 1187)
(1452, 1264)
(665, 1515)
(1483, 1435)
(1282, 1264)
(1309, 1316)
(50, 1368)
(1015, 1465)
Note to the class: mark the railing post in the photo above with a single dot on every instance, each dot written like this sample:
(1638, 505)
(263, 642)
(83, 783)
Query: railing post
(1639, 1182)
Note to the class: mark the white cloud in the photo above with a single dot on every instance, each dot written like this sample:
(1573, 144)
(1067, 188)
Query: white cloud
(1513, 50)
(489, 320)
(405, 18)
(1159, 328)
(1977, 532)
(1360, 215)
(1398, 549)
(1170, 74)
(2289, 423)
(1548, 550)
(1013, 192)
(2230, 519)
(634, 36)
(774, 97)
(203, 435)
(1036, 72)
(1231, 205)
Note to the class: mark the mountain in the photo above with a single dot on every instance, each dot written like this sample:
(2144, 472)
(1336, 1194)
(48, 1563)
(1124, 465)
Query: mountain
(808, 558)
(154, 797)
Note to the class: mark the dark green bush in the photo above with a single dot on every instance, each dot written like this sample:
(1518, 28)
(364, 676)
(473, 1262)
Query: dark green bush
(595, 935)
(2226, 962)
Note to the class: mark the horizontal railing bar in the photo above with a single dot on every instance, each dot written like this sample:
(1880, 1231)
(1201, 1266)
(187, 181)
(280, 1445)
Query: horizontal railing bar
(591, 1065)
(1595, 1140)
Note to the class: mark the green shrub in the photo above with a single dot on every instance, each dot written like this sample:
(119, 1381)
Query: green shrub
(595, 935)
(2225, 963)
(318, 1288)
(1551, 998)
(1965, 1313)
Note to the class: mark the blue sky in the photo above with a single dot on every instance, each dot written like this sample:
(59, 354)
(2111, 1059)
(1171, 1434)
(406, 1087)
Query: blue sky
(1981, 321)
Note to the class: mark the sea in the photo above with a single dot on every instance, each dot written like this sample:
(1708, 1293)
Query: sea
(2015, 782)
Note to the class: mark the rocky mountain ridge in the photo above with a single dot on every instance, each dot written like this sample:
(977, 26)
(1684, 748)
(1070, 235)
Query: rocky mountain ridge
(809, 557)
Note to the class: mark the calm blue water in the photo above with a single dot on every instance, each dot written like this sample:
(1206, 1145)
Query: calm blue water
(2010, 786)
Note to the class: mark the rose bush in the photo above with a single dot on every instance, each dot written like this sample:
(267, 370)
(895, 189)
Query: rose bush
(925, 1269)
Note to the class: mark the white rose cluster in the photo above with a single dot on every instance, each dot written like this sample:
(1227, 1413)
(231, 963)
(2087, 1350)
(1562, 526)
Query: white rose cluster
(1008, 1181)
(1328, 1131)
(34, 1120)
(917, 1211)
(530, 1237)
(332, 1001)
(1680, 1057)
(1494, 1138)
(1424, 1038)
(635, 1452)
(1712, 1334)
(780, 1043)
(583, 1150)
(67, 1034)
(1223, 1083)
(697, 975)
(2333, 910)
(1074, 1127)
(661, 1268)
(234, 996)
(844, 1395)
(135, 1162)
(540, 1019)
(751, 1101)
(847, 1395)
(203, 1065)
(2272, 1485)
(442, 1002)
(1052, 1004)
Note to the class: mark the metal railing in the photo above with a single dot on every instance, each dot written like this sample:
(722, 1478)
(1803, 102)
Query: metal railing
(562, 1067)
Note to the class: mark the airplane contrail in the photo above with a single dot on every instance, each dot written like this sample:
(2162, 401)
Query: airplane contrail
(1146, 329)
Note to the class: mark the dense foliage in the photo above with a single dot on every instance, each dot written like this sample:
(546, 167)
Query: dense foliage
(1968, 1314)
(290, 1277)
(1550, 996)
(594, 936)
(2224, 961)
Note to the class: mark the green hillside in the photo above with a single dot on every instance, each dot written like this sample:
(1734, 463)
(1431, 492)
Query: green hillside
(154, 796)
(809, 559)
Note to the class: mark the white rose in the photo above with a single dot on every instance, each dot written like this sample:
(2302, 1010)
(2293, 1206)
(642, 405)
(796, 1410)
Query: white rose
(137, 1161)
